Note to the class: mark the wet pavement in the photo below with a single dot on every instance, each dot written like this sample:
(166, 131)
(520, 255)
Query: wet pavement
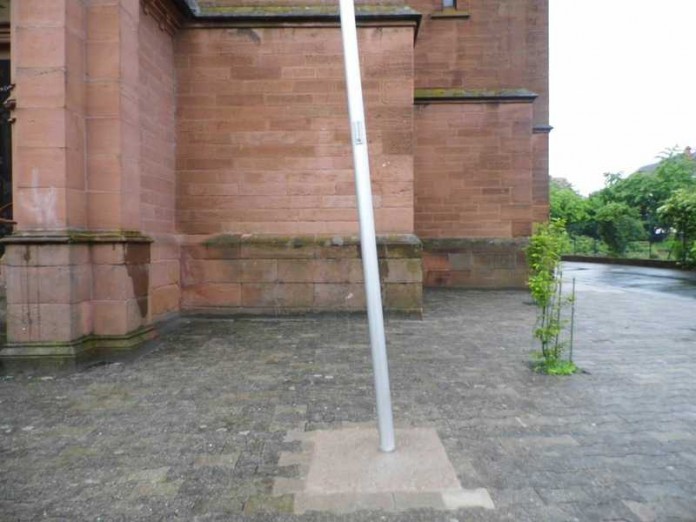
(634, 278)
(194, 429)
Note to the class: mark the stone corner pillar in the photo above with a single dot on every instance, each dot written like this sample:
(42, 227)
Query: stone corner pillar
(75, 294)
(77, 267)
(48, 296)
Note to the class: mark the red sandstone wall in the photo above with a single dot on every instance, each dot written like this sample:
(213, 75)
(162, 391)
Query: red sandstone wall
(540, 178)
(113, 125)
(487, 186)
(158, 124)
(503, 44)
(473, 170)
(48, 286)
(158, 152)
(49, 135)
(262, 133)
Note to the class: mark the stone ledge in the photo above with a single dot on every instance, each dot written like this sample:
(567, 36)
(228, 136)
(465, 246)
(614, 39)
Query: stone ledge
(542, 129)
(451, 14)
(76, 237)
(251, 246)
(89, 344)
(260, 16)
(449, 244)
(425, 96)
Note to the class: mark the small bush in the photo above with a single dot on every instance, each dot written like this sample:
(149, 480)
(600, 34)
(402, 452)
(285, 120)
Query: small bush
(586, 246)
(545, 283)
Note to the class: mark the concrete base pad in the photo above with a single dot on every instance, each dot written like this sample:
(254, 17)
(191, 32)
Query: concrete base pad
(343, 471)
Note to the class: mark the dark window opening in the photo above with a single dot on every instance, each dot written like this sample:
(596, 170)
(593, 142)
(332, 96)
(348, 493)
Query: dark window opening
(6, 221)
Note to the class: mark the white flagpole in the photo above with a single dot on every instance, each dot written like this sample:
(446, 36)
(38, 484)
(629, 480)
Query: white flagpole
(368, 241)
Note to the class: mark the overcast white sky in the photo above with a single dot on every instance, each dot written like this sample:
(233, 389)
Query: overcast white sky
(623, 85)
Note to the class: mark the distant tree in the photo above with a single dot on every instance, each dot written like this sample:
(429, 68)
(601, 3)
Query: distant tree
(562, 183)
(629, 208)
(647, 191)
(617, 225)
(677, 169)
(567, 205)
(679, 212)
(642, 191)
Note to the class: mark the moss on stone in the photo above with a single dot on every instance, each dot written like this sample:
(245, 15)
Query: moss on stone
(118, 236)
(268, 504)
(223, 240)
(450, 13)
(301, 10)
(466, 244)
(474, 94)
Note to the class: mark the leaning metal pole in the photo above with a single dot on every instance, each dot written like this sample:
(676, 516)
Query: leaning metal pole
(368, 243)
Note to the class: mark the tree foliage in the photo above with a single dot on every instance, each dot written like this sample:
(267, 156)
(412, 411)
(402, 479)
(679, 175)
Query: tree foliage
(679, 212)
(617, 224)
(567, 205)
(630, 208)
(646, 191)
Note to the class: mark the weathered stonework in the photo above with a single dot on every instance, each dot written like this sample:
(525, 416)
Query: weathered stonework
(474, 263)
(263, 141)
(216, 132)
(75, 293)
(284, 274)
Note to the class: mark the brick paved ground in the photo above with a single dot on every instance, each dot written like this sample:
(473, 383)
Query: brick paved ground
(193, 430)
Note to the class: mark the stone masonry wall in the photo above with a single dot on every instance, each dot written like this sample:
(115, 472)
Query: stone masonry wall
(501, 45)
(78, 265)
(158, 152)
(540, 183)
(474, 263)
(158, 126)
(48, 286)
(279, 275)
(481, 169)
(120, 270)
(48, 61)
(474, 199)
(263, 140)
(235, 143)
(473, 170)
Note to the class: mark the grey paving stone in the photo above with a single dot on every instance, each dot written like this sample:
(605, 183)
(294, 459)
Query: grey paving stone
(220, 405)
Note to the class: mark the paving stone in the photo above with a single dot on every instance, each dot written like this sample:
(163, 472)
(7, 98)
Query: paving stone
(227, 460)
(643, 511)
(338, 503)
(285, 486)
(476, 498)
(406, 501)
(203, 425)
(346, 466)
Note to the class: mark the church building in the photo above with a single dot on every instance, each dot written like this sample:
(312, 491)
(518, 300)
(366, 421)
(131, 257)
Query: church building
(171, 157)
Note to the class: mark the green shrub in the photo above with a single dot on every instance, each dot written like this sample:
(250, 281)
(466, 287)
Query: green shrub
(586, 246)
(545, 283)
